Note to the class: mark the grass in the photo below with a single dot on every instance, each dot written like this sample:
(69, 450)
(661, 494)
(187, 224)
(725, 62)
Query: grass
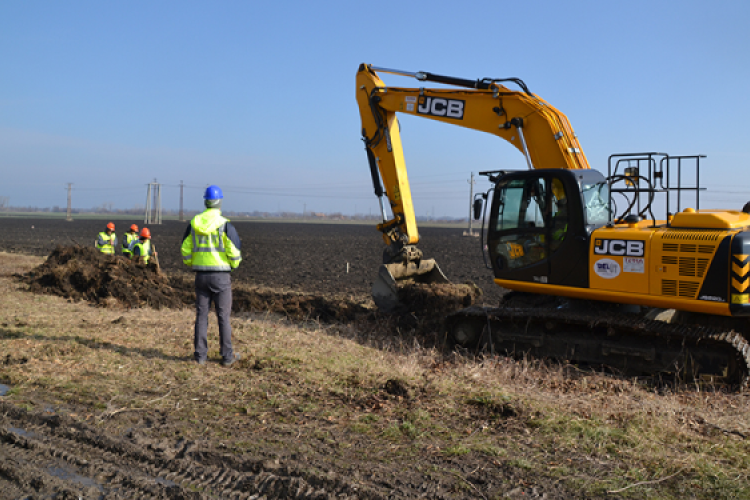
(337, 390)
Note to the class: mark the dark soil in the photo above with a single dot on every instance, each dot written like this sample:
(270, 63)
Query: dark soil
(298, 257)
(49, 455)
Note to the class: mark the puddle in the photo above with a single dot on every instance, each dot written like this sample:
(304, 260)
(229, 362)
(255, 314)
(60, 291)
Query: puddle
(4, 389)
(21, 432)
(66, 475)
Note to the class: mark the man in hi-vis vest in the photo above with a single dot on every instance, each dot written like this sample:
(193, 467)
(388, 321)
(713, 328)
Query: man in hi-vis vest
(211, 247)
(128, 240)
(106, 241)
(142, 249)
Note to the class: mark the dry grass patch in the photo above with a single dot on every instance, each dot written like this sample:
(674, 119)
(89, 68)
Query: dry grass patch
(354, 397)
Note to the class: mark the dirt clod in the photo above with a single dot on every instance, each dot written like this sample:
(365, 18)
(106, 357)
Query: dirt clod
(396, 387)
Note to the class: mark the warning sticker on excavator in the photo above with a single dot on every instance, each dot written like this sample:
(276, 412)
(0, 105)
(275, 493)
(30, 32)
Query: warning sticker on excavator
(633, 265)
(740, 298)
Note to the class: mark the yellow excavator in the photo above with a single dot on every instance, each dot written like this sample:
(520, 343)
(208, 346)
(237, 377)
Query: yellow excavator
(569, 241)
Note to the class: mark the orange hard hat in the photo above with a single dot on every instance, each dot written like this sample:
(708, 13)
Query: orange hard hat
(145, 233)
(111, 226)
(134, 227)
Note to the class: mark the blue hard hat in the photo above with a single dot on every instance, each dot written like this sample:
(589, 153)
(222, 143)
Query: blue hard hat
(213, 193)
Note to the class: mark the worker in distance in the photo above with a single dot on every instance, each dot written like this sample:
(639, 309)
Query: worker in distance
(142, 249)
(106, 241)
(130, 236)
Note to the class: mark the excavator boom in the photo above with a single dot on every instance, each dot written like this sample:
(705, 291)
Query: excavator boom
(541, 132)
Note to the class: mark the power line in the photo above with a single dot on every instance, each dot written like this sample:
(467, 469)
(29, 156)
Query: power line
(118, 188)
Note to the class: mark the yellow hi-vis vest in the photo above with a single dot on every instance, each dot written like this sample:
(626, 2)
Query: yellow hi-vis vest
(105, 243)
(208, 248)
(144, 249)
(127, 240)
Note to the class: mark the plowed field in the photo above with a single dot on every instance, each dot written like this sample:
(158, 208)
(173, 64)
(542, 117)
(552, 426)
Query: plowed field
(324, 259)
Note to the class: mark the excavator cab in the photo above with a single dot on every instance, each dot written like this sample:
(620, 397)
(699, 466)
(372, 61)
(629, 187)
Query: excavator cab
(540, 224)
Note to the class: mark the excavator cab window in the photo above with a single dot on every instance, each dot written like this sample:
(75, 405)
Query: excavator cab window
(596, 203)
(521, 223)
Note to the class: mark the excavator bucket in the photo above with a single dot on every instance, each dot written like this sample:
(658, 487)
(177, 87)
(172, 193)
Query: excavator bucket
(385, 287)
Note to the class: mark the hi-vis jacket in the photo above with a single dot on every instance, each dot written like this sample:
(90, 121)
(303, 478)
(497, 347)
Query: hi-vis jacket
(142, 248)
(106, 243)
(211, 243)
(128, 240)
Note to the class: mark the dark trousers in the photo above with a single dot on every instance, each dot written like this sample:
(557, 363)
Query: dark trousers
(213, 287)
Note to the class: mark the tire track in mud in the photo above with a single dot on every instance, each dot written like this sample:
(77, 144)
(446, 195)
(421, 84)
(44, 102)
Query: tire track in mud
(57, 457)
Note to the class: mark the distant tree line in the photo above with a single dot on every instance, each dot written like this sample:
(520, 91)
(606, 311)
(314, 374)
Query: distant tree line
(136, 211)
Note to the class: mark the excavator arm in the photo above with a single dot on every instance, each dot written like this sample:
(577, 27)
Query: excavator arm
(538, 130)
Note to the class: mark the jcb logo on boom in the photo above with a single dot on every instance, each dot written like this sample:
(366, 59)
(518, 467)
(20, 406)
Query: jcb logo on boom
(631, 248)
(437, 106)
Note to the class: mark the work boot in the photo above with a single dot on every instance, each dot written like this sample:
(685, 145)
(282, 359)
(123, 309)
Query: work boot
(230, 362)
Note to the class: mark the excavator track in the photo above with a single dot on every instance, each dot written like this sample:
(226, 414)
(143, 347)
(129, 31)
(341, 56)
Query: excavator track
(628, 343)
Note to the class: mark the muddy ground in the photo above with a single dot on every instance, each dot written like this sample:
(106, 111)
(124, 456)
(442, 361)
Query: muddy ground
(46, 455)
(298, 271)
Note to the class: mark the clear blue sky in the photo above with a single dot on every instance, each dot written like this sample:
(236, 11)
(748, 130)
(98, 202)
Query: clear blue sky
(259, 97)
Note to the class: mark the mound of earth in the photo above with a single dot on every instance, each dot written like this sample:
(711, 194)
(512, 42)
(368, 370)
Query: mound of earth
(84, 273)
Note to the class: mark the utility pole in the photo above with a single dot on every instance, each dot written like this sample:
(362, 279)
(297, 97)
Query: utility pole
(182, 213)
(153, 205)
(471, 182)
(69, 216)
(154, 190)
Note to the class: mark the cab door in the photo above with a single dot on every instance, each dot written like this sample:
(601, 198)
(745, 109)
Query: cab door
(536, 230)
(517, 239)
